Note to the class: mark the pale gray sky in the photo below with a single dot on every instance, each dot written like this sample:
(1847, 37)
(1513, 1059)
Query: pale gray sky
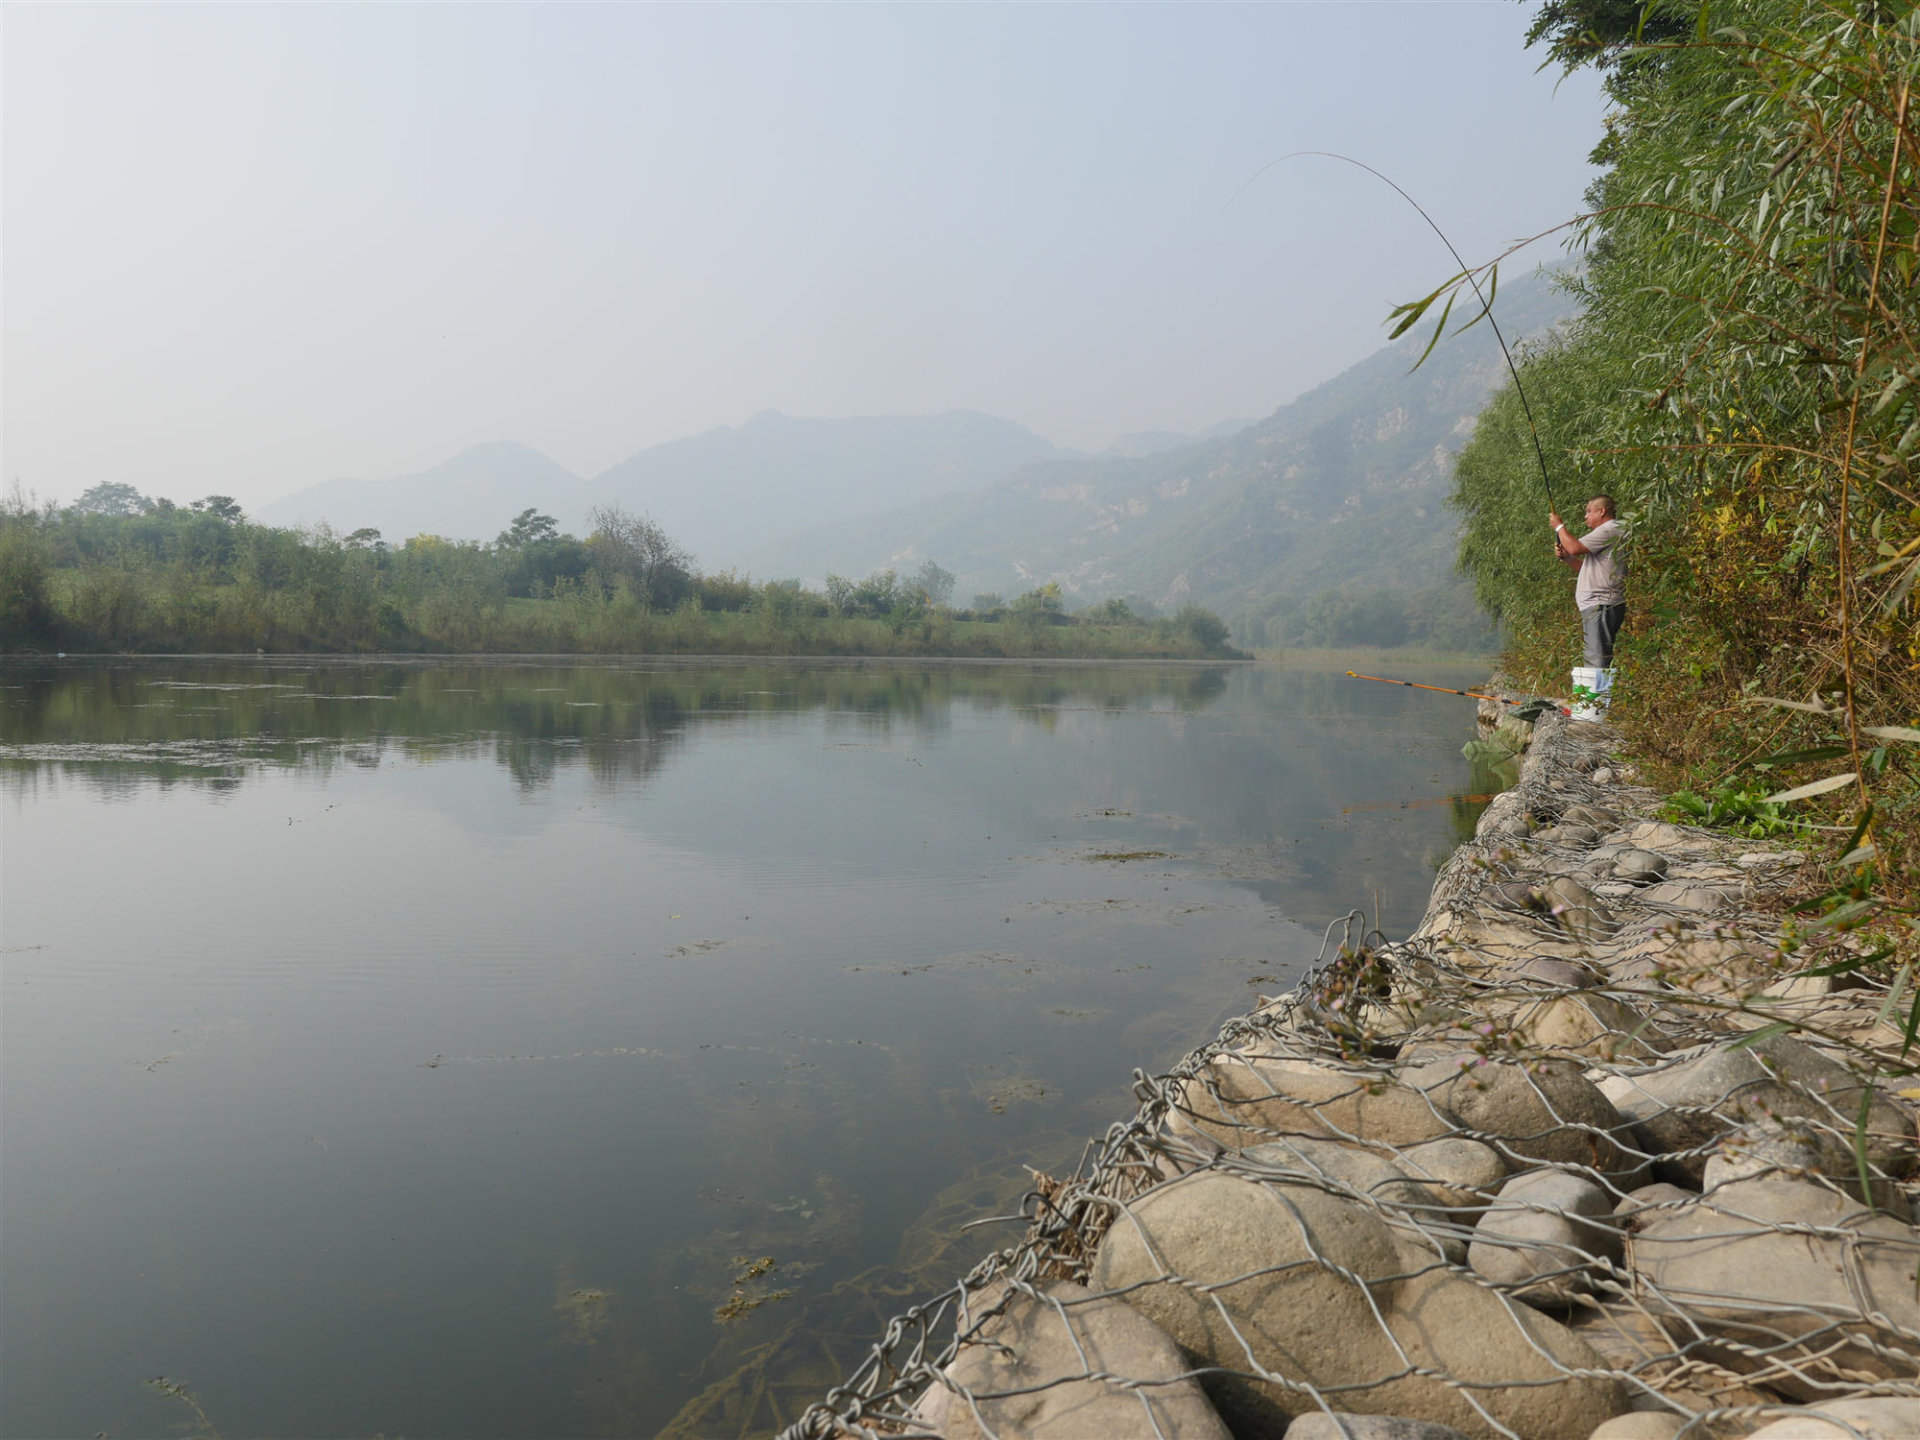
(250, 248)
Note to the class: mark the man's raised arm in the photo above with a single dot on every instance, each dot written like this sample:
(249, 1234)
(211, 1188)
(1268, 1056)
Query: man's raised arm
(1570, 549)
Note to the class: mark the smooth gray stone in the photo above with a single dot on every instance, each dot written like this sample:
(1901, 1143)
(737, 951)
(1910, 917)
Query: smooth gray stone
(1767, 1260)
(1689, 895)
(1032, 1344)
(1243, 1100)
(1641, 1425)
(1544, 1234)
(1594, 815)
(1878, 1417)
(1638, 864)
(1372, 1177)
(1316, 1288)
(1575, 835)
(1638, 1208)
(1520, 895)
(1680, 1108)
(1565, 974)
(1581, 913)
(1319, 1425)
(1795, 1149)
(1464, 1173)
(1548, 1112)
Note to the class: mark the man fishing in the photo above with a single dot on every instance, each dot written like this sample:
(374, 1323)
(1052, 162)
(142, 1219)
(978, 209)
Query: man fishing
(1600, 593)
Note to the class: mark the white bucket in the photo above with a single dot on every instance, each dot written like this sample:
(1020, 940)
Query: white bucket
(1599, 685)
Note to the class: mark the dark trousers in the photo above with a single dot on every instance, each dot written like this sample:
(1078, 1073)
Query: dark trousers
(1599, 626)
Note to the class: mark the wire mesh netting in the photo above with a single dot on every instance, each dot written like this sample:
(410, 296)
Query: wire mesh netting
(1597, 1141)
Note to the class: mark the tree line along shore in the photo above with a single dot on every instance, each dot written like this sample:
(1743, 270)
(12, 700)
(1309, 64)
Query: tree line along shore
(118, 571)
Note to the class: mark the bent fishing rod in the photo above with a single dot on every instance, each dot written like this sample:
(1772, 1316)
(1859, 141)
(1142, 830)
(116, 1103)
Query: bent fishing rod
(1486, 305)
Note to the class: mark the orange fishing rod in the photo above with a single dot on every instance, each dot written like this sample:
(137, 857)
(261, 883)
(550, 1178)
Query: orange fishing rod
(1416, 685)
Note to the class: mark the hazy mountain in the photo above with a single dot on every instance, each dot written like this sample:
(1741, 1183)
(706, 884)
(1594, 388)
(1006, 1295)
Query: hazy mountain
(1345, 486)
(736, 488)
(1153, 442)
(470, 497)
(720, 494)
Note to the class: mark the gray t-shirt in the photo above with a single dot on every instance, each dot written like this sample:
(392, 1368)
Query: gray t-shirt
(1603, 570)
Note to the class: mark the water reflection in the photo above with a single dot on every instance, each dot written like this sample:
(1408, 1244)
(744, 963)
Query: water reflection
(547, 1048)
(211, 722)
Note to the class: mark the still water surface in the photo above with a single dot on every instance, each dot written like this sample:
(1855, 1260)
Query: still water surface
(432, 1049)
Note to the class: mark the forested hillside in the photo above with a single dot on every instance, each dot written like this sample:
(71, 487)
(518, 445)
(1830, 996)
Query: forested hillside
(1743, 381)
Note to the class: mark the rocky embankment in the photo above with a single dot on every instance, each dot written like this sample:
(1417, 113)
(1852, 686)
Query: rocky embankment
(1590, 1156)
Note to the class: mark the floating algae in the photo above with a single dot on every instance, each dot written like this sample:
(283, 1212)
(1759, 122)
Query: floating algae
(583, 1311)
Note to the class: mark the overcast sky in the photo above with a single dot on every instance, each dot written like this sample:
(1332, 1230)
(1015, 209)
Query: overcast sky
(247, 249)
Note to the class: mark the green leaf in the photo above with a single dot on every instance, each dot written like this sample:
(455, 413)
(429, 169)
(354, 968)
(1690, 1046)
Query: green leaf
(1412, 311)
(1796, 757)
(1812, 788)
(1486, 299)
(1866, 819)
(1860, 1145)
(1439, 329)
(1848, 966)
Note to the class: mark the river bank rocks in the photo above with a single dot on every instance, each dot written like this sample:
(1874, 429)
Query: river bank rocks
(1062, 1363)
(1591, 1156)
(1284, 1289)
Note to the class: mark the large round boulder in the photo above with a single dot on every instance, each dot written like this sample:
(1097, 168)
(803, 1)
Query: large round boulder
(1684, 1106)
(1811, 1286)
(1243, 1100)
(1064, 1364)
(1545, 1111)
(1295, 1294)
(1547, 1237)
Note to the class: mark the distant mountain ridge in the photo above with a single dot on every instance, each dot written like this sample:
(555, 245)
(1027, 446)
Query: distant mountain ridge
(1152, 442)
(736, 487)
(1344, 487)
(719, 493)
(471, 496)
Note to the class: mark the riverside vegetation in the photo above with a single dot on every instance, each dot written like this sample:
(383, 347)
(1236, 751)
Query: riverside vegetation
(1742, 381)
(118, 571)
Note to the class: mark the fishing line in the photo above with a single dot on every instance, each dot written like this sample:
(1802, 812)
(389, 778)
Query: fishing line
(1486, 307)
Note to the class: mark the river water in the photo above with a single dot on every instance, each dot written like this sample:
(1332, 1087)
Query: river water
(541, 1048)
